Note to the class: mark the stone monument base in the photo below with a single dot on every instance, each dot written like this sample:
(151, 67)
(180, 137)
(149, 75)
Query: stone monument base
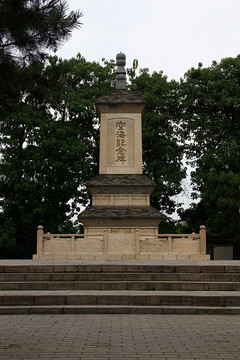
(121, 244)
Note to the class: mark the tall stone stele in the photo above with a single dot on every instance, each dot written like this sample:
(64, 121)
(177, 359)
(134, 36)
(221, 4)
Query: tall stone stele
(120, 193)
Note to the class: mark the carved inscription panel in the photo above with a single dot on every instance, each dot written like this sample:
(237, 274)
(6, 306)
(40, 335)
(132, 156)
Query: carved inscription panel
(120, 142)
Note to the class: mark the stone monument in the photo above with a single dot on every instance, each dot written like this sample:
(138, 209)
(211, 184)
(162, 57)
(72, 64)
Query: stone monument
(120, 224)
(121, 193)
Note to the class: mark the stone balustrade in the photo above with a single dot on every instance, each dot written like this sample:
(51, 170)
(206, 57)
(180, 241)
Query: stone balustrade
(109, 246)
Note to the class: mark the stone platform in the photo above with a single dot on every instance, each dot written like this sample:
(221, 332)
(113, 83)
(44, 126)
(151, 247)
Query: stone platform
(119, 287)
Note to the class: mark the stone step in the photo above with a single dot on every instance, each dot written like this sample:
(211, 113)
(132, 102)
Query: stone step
(121, 285)
(125, 297)
(119, 276)
(113, 267)
(119, 309)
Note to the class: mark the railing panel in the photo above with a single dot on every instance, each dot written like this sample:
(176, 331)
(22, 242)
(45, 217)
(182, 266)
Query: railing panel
(153, 244)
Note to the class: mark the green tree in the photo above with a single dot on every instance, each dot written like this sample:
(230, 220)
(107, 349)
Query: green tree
(162, 150)
(211, 99)
(28, 30)
(50, 149)
(30, 27)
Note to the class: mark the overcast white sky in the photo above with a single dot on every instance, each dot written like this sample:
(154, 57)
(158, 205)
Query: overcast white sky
(167, 35)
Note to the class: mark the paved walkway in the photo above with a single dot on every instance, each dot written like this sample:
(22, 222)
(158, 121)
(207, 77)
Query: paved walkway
(75, 337)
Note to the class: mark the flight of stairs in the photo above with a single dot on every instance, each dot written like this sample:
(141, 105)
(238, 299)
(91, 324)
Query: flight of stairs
(114, 288)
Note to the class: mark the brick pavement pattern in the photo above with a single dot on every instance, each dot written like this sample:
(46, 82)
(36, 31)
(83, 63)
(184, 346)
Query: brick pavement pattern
(75, 337)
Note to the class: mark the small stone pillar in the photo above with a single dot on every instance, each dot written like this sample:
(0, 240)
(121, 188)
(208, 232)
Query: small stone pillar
(203, 240)
(40, 240)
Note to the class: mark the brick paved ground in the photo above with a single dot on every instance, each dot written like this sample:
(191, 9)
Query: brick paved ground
(74, 337)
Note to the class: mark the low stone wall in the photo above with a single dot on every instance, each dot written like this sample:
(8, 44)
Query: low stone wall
(122, 246)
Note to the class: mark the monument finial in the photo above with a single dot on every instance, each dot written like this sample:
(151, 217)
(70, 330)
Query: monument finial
(121, 72)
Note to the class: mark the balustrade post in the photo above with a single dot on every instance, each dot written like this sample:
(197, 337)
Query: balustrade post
(105, 240)
(169, 244)
(73, 244)
(40, 240)
(137, 241)
(203, 240)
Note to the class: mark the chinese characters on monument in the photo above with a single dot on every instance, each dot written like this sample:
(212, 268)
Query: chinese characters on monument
(121, 142)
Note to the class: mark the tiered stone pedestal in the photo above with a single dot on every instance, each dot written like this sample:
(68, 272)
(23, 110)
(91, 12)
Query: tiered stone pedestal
(120, 211)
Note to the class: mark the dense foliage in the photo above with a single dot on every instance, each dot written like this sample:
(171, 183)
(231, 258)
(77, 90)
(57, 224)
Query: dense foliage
(50, 148)
(211, 101)
(28, 29)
